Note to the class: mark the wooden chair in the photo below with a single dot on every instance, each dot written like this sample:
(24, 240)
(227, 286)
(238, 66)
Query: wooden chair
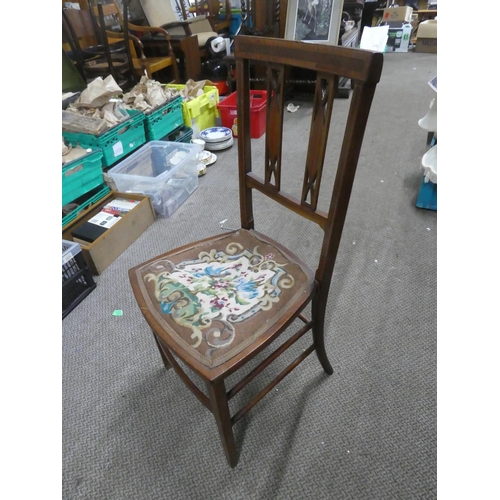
(212, 9)
(92, 53)
(160, 13)
(142, 64)
(213, 305)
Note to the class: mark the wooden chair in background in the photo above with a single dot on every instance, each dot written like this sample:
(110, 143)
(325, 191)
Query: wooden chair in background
(212, 10)
(149, 65)
(160, 13)
(215, 304)
(92, 53)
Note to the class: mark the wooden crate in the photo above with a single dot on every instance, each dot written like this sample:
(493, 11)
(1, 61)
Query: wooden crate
(104, 250)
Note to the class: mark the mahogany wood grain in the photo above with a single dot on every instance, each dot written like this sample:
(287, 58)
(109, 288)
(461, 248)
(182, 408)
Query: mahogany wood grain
(278, 55)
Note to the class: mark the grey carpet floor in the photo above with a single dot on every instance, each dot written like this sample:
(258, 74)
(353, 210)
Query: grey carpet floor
(131, 430)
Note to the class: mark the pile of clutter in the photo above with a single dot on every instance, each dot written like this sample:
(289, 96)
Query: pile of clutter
(104, 102)
(149, 95)
(103, 105)
(100, 103)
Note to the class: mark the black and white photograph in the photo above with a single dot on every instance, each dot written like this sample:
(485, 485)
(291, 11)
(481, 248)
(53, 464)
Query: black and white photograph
(313, 21)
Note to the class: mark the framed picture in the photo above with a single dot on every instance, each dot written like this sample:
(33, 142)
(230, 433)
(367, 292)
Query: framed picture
(314, 21)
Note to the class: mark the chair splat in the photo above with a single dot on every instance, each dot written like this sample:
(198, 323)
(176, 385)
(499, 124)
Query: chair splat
(275, 110)
(320, 123)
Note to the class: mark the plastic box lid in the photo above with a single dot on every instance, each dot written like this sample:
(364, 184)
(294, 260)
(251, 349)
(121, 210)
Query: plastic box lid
(163, 170)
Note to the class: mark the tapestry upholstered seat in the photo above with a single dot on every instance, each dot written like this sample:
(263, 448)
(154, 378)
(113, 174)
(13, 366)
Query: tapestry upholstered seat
(219, 296)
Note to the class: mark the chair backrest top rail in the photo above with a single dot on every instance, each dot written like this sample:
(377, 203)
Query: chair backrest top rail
(357, 64)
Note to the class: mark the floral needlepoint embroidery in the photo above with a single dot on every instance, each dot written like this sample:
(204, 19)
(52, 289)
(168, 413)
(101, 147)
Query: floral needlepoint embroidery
(212, 293)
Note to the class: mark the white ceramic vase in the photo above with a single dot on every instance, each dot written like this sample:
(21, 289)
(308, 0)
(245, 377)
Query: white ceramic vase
(429, 164)
(429, 121)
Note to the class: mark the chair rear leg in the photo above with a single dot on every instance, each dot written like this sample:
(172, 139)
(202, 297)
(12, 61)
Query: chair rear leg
(318, 316)
(220, 410)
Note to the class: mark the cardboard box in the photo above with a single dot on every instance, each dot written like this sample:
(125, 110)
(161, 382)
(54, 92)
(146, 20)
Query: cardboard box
(398, 37)
(401, 14)
(104, 250)
(427, 36)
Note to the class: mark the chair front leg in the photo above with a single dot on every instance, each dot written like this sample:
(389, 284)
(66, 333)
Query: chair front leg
(220, 409)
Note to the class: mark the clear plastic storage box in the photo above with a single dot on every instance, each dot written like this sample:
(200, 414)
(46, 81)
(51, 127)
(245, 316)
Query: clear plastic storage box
(165, 171)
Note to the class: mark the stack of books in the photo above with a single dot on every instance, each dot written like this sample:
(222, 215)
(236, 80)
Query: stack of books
(96, 226)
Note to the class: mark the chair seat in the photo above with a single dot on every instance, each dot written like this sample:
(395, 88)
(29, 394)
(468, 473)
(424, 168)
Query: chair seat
(153, 63)
(120, 63)
(216, 297)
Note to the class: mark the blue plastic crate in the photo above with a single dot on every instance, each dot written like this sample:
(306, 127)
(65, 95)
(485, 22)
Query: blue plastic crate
(235, 22)
(427, 196)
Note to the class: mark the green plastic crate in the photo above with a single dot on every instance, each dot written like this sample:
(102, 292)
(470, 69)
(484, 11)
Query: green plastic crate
(85, 201)
(164, 120)
(81, 176)
(180, 134)
(116, 142)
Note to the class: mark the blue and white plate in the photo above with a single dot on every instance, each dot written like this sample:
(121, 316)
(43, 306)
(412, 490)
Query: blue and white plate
(216, 134)
(218, 146)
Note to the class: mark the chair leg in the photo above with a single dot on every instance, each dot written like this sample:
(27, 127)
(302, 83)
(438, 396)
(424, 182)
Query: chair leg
(220, 410)
(175, 67)
(318, 315)
(166, 362)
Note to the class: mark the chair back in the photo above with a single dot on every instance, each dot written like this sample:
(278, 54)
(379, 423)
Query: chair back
(212, 9)
(79, 24)
(329, 63)
(159, 12)
(111, 19)
(112, 14)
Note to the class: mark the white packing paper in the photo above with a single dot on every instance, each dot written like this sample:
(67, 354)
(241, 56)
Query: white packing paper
(98, 93)
(148, 95)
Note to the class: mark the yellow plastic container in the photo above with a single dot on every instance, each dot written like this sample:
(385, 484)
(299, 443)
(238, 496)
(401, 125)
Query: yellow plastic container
(202, 112)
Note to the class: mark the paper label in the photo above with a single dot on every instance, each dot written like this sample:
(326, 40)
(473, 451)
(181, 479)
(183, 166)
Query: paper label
(120, 206)
(104, 219)
(118, 149)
